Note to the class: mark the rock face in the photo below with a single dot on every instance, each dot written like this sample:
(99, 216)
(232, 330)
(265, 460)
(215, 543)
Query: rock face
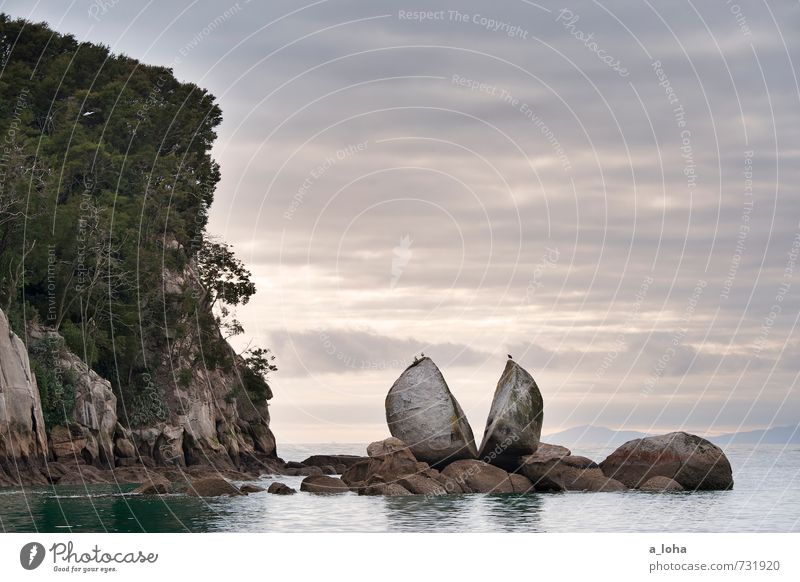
(553, 468)
(206, 416)
(88, 430)
(515, 419)
(421, 411)
(693, 462)
(23, 442)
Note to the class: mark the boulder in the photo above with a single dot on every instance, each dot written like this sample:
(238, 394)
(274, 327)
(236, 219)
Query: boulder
(336, 461)
(390, 458)
(247, 488)
(323, 484)
(690, 460)
(520, 483)
(357, 474)
(547, 452)
(212, 487)
(421, 411)
(514, 425)
(421, 485)
(302, 472)
(474, 476)
(661, 485)
(550, 470)
(281, 489)
(451, 486)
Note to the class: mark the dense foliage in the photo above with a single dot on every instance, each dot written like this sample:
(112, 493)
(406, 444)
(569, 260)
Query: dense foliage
(106, 180)
(56, 387)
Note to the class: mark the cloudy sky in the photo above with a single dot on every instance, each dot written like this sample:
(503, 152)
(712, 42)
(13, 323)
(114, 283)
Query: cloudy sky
(606, 190)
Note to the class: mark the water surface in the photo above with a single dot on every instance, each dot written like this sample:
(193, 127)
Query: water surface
(766, 498)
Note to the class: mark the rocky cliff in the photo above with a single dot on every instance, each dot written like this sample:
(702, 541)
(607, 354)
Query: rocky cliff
(206, 416)
(23, 443)
(211, 416)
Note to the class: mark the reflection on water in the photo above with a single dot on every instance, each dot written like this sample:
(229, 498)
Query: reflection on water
(766, 498)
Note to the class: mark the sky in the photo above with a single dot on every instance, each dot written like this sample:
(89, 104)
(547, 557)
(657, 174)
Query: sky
(605, 190)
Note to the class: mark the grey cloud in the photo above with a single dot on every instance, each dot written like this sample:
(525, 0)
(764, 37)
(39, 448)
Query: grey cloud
(343, 351)
(333, 261)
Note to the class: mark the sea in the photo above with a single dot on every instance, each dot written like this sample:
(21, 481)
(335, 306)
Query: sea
(765, 498)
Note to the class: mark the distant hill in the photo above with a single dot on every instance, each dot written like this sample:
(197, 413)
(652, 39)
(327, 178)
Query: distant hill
(779, 435)
(600, 435)
(591, 435)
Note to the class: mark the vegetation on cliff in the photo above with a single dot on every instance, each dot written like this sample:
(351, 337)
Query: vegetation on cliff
(106, 180)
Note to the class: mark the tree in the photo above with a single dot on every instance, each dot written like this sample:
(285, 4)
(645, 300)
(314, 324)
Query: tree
(224, 277)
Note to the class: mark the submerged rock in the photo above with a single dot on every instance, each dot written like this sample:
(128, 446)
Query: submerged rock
(156, 485)
(422, 412)
(514, 425)
(281, 489)
(212, 487)
(692, 461)
(386, 489)
(661, 485)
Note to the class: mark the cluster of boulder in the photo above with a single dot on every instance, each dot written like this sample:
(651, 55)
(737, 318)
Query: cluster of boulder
(432, 450)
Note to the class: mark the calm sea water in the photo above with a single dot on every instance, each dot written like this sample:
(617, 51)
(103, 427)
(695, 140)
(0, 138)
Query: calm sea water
(766, 498)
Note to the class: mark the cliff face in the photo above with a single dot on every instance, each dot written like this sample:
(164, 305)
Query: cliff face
(86, 432)
(211, 419)
(23, 443)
